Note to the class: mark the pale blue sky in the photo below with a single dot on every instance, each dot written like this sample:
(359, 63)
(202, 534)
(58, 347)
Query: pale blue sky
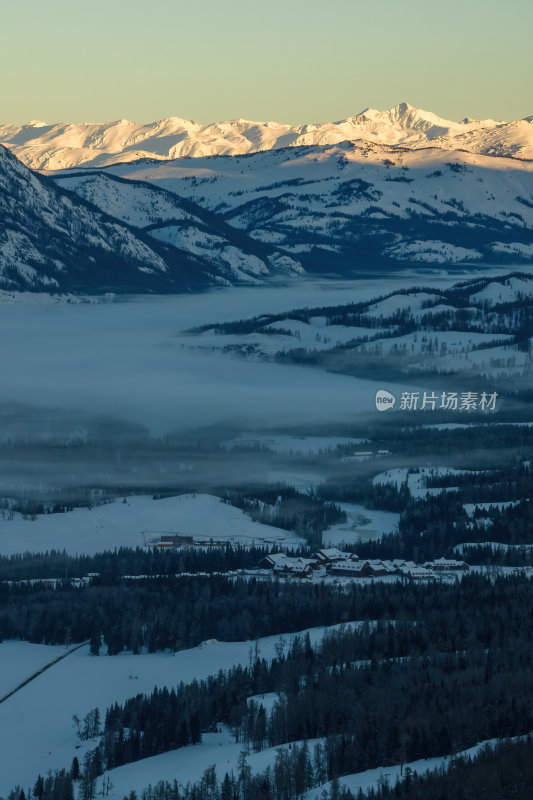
(286, 60)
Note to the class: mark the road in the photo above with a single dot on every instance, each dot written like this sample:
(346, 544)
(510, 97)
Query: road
(40, 672)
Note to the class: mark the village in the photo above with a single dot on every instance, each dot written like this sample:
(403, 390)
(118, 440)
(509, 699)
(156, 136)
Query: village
(336, 563)
(325, 563)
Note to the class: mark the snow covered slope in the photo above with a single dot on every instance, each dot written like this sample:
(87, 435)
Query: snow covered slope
(62, 145)
(328, 208)
(502, 139)
(36, 727)
(53, 241)
(89, 531)
(479, 327)
(146, 239)
(182, 224)
(337, 207)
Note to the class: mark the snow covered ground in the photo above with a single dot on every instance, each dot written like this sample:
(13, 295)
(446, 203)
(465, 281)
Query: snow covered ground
(188, 763)
(288, 197)
(284, 336)
(220, 750)
(464, 547)
(118, 524)
(36, 727)
(37, 731)
(471, 508)
(372, 778)
(452, 342)
(391, 305)
(416, 481)
(18, 660)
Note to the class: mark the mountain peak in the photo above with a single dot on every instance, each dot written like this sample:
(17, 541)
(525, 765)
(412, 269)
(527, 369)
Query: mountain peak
(64, 145)
(404, 108)
(397, 112)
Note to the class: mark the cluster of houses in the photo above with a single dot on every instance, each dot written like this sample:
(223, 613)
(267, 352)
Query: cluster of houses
(334, 562)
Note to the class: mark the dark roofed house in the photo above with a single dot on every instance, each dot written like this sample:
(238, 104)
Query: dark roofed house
(300, 568)
(272, 560)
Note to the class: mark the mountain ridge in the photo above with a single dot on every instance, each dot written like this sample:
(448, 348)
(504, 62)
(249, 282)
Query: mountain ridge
(65, 145)
(55, 240)
(338, 207)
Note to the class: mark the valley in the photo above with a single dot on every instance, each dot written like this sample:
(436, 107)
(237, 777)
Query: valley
(190, 434)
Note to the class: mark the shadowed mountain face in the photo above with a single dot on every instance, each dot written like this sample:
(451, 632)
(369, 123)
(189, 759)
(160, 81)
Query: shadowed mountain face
(194, 222)
(52, 240)
(339, 208)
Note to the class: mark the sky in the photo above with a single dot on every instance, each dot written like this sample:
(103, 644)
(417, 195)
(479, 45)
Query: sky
(292, 61)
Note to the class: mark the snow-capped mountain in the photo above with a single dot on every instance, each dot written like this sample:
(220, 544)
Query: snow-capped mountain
(59, 146)
(53, 240)
(176, 221)
(168, 225)
(336, 208)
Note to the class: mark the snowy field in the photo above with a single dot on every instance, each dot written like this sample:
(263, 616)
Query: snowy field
(188, 763)
(37, 731)
(18, 660)
(36, 727)
(118, 524)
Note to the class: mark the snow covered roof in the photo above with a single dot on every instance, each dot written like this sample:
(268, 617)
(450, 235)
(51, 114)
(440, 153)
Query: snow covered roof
(352, 566)
(277, 558)
(376, 563)
(416, 572)
(295, 564)
(331, 553)
(301, 567)
(443, 563)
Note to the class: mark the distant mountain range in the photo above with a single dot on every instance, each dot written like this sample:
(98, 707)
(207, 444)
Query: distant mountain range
(62, 145)
(178, 224)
